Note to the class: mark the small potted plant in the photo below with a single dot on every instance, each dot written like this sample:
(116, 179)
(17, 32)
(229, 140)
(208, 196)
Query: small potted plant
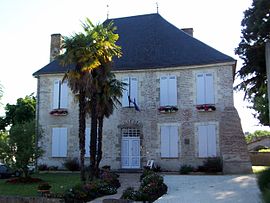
(167, 109)
(44, 188)
(59, 112)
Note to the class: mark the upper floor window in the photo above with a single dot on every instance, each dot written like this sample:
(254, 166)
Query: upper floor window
(207, 141)
(168, 91)
(205, 88)
(60, 94)
(130, 93)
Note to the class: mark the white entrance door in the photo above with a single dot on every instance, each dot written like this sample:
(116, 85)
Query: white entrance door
(130, 153)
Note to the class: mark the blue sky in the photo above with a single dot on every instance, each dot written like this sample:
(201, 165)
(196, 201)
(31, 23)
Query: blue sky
(26, 26)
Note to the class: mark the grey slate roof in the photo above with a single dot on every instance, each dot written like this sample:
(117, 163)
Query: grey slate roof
(149, 42)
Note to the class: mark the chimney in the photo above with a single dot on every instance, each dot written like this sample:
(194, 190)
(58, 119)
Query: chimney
(56, 42)
(189, 31)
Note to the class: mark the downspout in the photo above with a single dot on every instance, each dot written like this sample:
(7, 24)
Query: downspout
(37, 118)
(267, 60)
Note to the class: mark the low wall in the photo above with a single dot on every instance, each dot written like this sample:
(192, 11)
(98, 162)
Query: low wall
(7, 199)
(260, 158)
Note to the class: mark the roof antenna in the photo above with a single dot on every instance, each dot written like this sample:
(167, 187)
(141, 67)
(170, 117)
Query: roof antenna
(107, 11)
(157, 6)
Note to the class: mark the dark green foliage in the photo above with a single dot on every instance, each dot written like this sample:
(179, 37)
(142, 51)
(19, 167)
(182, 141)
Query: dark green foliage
(264, 180)
(211, 165)
(251, 49)
(186, 169)
(72, 164)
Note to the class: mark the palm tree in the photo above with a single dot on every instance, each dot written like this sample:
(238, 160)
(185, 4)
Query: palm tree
(107, 91)
(108, 98)
(86, 52)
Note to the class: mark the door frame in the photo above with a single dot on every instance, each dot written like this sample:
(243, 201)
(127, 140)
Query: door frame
(130, 139)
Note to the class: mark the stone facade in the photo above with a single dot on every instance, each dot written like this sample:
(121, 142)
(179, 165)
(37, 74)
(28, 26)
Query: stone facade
(230, 144)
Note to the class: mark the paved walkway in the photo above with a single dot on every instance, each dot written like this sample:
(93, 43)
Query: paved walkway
(198, 188)
(211, 189)
(126, 180)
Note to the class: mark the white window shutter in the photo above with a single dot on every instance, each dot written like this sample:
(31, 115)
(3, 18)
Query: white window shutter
(64, 95)
(133, 90)
(164, 141)
(211, 141)
(200, 89)
(87, 142)
(173, 141)
(56, 88)
(63, 142)
(164, 91)
(209, 88)
(202, 138)
(172, 91)
(125, 101)
(55, 142)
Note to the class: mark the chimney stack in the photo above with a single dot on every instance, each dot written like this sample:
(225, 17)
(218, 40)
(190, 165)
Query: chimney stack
(189, 31)
(56, 42)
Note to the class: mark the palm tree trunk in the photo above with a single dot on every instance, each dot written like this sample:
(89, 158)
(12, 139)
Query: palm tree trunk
(100, 129)
(93, 142)
(82, 132)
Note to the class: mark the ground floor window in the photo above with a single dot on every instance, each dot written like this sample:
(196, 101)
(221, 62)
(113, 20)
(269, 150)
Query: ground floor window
(59, 142)
(169, 141)
(207, 140)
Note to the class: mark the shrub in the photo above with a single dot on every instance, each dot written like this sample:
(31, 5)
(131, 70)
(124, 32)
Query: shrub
(131, 194)
(110, 178)
(44, 186)
(146, 172)
(186, 169)
(106, 167)
(266, 195)
(264, 180)
(211, 165)
(106, 185)
(53, 168)
(151, 188)
(43, 167)
(72, 164)
(156, 168)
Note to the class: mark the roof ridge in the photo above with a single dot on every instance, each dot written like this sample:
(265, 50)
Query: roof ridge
(135, 16)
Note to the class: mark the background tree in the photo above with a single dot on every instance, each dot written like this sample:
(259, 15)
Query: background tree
(17, 146)
(251, 49)
(257, 134)
(23, 111)
(23, 146)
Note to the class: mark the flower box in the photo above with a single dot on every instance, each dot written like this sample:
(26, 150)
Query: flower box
(59, 112)
(167, 109)
(206, 107)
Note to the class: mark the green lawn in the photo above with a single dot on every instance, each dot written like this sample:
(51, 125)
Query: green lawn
(258, 169)
(59, 182)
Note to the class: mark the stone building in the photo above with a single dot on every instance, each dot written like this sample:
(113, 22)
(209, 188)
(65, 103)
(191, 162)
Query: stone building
(182, 87)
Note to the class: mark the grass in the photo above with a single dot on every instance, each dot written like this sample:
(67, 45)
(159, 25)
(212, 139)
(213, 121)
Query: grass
(258, 169)
(59, 182)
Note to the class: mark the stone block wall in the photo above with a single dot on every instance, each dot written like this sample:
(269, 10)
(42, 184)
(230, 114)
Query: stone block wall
(149, 119)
